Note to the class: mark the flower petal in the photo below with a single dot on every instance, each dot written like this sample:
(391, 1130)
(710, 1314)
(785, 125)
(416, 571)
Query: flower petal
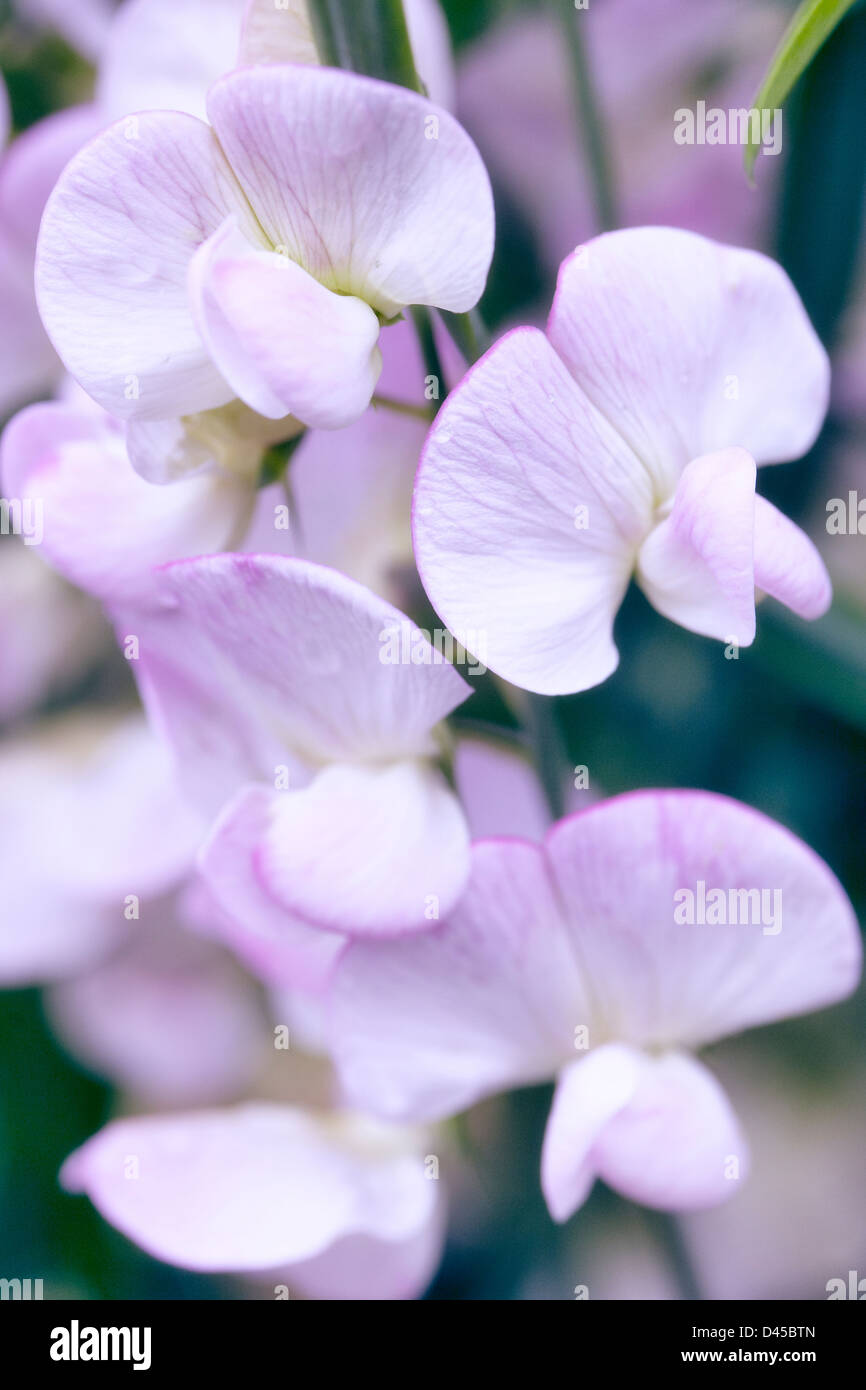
(275, 943)
(488, 999)
(528, 513)
(677, 1144)
(500, 791)
(245, 659)
(659, 1130)
(361, 1268)
(168, 1017)
(367, 850)
(629, 872)
(787, 565)
(285, 343)
(103, 526)
(697, 566)
(369, 187)
(252, 1188)
(690, 347)
(589, 1092)
(117, 237)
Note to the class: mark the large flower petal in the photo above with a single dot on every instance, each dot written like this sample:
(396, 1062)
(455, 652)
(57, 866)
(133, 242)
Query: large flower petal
(119, 231)
(425, 1026)
(367, 850)
(529, 510)
(371, 188)
(690, 347)
(285, 343)
(247, 659)
(697, 565)
(625, 870)
(252, 1188)
(103, 526)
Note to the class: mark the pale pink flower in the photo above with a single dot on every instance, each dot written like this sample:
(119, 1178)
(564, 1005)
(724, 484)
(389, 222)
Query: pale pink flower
(336, 1206)
(273, 680)
(624, 441)
(181, 265)
(576, 960)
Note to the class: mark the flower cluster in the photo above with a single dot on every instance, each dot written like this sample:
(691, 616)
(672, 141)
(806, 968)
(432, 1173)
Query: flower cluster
(265, 451)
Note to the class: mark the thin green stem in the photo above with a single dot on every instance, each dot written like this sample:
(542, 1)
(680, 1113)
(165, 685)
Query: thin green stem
(423, 322)
(468, 333)
(548, 745)
(668, 1233)
(590, 120)
(366, 36)
(418, 412)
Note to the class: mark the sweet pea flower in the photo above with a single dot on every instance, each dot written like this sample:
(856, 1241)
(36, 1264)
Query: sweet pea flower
(576, 960)
(335, 1206)
(624, 441)
(181, 265)
(104, 528)
(132, 988)
(272, 680)
(101, 795)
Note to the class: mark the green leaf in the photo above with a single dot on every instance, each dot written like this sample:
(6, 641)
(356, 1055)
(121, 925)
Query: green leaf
(811, 26)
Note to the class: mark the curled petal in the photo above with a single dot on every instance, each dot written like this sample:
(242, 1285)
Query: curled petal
(697, 565)
(528, 513)
(285, 343)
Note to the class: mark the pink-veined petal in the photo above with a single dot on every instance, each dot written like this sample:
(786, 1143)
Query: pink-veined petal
(690, 347)
(117, 237)
(529, 509)
(373, 189)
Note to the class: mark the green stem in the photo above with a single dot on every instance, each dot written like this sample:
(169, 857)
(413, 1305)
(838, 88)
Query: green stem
(548, 745)
(468, 332)
(591, 123)
(432, 362)
(666, 1229)
(366, 36)
(418, 412)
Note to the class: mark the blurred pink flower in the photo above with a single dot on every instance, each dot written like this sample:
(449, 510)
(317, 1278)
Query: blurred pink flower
(624, 441)
(276, 673)
(335, 1205)
(179, 266)
(567, 960)
(517, 98)
(104, 528)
